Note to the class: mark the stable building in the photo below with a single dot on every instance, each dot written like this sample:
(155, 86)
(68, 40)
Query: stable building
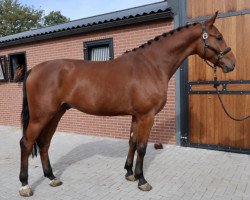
(192, 116)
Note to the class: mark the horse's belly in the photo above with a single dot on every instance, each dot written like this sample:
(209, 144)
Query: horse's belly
(104, 106)
(104, 111)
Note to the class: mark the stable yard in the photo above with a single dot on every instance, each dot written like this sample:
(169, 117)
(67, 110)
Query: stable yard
(92, 168)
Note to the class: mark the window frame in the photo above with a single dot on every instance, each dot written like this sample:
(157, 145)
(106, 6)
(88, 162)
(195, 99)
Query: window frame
(88, 45)
(11, 71)
(4, 68)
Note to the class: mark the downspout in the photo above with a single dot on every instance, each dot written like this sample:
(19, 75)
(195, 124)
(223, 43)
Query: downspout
(178, 7)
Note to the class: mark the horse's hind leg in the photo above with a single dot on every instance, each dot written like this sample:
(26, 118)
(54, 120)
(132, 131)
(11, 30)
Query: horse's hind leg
(43, 142)
(132, 147)
(26, 143)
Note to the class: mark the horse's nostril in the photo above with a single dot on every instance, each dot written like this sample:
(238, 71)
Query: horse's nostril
(233, 66)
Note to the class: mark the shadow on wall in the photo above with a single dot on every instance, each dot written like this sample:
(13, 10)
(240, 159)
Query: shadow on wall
(105, 148)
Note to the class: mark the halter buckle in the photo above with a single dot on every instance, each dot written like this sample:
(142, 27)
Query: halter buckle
(204, 36)
(220, 55)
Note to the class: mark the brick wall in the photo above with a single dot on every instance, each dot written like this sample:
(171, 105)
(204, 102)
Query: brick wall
(124, 39)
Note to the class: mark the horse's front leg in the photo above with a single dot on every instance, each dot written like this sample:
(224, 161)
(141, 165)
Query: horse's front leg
(132, 148)
(145, 124)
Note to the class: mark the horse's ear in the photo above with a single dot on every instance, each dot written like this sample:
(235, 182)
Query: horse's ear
(211, 21)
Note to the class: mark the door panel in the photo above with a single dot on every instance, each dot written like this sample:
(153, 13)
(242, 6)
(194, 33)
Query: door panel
(210, 125)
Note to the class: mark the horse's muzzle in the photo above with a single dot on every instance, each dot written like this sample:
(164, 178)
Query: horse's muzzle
(227, 69)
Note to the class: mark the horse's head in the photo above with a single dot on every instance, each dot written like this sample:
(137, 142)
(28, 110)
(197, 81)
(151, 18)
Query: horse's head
(19, 74)
(213, 48)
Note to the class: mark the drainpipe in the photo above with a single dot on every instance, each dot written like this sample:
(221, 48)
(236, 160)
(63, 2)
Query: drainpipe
(179, 9)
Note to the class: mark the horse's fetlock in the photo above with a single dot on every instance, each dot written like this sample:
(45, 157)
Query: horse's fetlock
(128, 166)
(23, 177)
(49, 174)
(139, 174)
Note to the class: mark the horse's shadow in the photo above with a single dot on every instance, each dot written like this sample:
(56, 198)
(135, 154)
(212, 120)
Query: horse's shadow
(105, 148)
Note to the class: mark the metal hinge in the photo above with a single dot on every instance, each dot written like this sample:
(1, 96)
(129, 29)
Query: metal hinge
(184, 140)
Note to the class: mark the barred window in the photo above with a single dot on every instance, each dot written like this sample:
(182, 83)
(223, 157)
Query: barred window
(100, 50)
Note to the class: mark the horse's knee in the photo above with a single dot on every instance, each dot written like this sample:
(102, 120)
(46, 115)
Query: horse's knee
(142, 148)
(132, 145)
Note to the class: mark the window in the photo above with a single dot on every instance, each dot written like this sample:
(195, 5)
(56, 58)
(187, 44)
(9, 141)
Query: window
(100, 50)
(18, 67)
(3, 68)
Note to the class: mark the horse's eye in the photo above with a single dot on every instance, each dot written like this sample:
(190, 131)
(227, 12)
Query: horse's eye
(219, 37)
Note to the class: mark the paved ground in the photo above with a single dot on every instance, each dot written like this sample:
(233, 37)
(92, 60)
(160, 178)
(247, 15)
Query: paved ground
(92, 168)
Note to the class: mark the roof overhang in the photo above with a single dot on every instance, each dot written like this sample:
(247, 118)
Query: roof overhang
(55, 32)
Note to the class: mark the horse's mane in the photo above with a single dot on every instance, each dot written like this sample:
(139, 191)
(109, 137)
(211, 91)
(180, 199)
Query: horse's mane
(159, 37)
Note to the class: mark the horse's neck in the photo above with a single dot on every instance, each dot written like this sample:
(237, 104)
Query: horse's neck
(169, 53)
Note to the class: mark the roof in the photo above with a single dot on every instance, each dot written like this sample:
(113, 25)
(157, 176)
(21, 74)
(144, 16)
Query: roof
(150, 12)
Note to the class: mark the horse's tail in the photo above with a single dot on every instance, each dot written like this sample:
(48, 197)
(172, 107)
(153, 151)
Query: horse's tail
(25, 113)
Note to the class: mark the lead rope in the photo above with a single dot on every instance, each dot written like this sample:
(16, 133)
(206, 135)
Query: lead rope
(216, 84)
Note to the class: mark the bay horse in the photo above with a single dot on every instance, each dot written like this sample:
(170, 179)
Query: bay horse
(19, 74)
(133, 84)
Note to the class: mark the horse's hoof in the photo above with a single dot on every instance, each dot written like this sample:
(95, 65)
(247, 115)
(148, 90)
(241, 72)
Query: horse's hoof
(130, 177)
(55, 182)
(25, 191)
(158, 146)
(145, 187)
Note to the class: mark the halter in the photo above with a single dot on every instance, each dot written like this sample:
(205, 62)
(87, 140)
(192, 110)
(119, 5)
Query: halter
(220, 54)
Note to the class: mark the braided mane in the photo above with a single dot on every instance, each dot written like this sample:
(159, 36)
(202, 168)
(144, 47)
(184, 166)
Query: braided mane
(157, 38)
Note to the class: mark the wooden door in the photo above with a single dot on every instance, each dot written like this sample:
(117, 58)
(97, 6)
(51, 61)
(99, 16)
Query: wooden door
(208, 123)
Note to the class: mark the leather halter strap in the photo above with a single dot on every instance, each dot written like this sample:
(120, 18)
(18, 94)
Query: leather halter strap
(220, 54)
